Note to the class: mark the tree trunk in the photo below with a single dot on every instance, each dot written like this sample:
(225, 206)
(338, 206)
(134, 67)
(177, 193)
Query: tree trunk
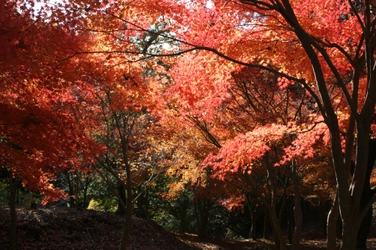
(86, 186)
(70, 179)
(14, 182)
(332, 220)
(350, 196)
(366, 197)
(272, 205)
(281, 242)
(298, 216)
(201, 209)
(122, 200)
(349, 235)
(125, 239)
(364, 230)
(280, 239)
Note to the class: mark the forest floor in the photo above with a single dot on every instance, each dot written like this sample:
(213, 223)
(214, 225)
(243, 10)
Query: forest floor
(45, 229)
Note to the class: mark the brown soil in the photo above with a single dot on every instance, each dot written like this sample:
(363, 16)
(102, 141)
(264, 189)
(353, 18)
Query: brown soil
(74, 229)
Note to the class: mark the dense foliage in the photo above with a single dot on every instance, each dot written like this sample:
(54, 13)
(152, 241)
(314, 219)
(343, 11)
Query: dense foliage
(173, 110)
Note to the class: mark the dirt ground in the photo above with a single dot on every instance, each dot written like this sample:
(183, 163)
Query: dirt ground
(46, 229)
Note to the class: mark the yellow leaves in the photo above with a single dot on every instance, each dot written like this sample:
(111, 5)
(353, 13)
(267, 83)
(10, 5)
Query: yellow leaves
(175, 189)
(186, 148)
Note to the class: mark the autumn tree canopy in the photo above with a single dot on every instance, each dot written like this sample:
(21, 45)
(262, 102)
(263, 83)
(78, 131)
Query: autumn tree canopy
(326, 48)
(44, 101)
(249, 86)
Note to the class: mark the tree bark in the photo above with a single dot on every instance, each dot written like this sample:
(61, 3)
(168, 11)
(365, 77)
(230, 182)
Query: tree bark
(349, 235)
(366, 197)
(280, 242)
(332, 220)
(272, 206)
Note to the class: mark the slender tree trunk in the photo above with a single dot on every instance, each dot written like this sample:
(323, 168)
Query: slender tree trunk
(331, 225)
(125, 239)
(272, 205)
(14, 182)
(280, 239)
(351, 222)
(70, 179)
(122, 200)
(298, 216)
(350, 194)
(281, 243)
(86, 186)
(201, 209)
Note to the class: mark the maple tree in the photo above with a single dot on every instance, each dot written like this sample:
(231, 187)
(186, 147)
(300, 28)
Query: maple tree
(195, 96)
(336, 71)
(38, 103)
(248, 103)
(125, 89)
(265, 82)
(123, 135)
(43, 131)
(184, 148)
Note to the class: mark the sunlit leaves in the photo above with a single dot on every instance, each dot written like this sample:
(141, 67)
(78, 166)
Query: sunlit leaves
(41, 100)
(245, 150)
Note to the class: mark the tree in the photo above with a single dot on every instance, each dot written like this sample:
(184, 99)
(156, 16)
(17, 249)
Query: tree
(125, 122)
(195, 97)
(41, 133)
(188, 148)
(251, 102)
(336, 64)
(246, 166)
(337, 71)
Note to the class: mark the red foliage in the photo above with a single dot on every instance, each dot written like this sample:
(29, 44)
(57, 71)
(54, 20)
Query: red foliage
(41, 99)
